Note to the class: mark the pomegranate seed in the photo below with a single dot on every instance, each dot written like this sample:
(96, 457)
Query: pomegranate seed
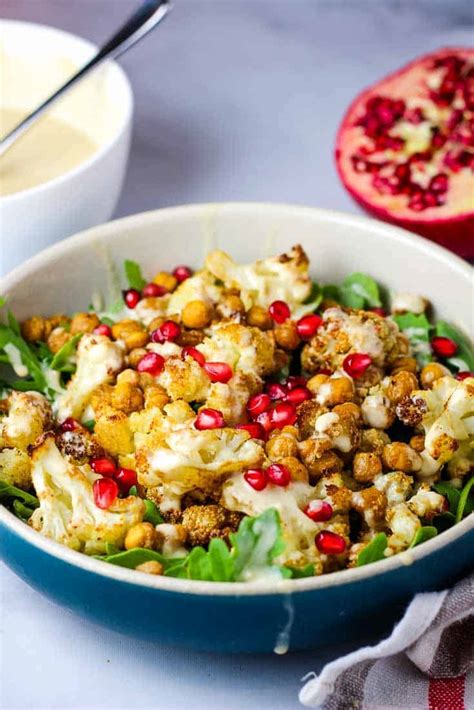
(131, 297)
(218, 371)
(189, 351)
(284, 414)
(355, 364)
(295, 381)
(257, 404)
(275, 390)
(105, 492)
(319, 511)
(330, 543)
(209, 419)
(126, 478)
(439, 183)
(443, 347)
(153, 363)
(278, 474)
(106, 467)
(464, 375)
(256, 478)
(70, 424)
(103, 329)
(169, 331)
(308, 325)
(255, 430)
(265, 421)
(298, 395)
(153, 291)
(279, 311)
(379, 311)
(181, 273)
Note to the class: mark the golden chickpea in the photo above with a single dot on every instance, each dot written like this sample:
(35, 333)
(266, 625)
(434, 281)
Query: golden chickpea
(156, 397)
(231, 305)
(141, 535)
(122, 328)
(197, 314)
(373, 441)
(405, 363)
(348, 409)
(296, 468)
(167, 280)
(286, 335)
(417, 443)
(341, 499)
(57, 320)
(131, 377)
(366, 466)
(327, 463)
(156, 323)
(259, 317)
(336, 390)
(34, 329)
(150, 567)
(84, 323)
(401, 385)
(401, 457)
(136, 339)
(280, 446)
(135, 355)
(127, 397)
(57, 338)
(315, 382)
(190, 337)
(432, 372)
(372, 503)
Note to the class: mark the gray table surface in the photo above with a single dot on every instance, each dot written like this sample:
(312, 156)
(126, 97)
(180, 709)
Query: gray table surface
(235, 100)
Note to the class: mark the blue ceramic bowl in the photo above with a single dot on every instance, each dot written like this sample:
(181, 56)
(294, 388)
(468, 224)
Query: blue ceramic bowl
(300, 614)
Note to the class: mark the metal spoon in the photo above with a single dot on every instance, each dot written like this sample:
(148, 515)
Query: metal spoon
(149, 14)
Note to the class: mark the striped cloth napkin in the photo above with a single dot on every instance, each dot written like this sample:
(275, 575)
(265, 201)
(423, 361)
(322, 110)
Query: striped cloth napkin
(426, 664)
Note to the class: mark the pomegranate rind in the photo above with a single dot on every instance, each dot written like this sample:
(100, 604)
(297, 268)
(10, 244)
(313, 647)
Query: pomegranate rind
(452, 228)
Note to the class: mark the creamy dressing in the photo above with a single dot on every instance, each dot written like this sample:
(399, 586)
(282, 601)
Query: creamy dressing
(49, 149)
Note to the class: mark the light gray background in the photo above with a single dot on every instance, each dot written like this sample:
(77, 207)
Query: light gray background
(235, 100)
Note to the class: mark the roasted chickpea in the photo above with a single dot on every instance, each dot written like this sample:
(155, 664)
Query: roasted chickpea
(150, 567)
(401, 385)
(141, 535)
(281, 445)
(197, 314)
(135, 355)
(366, 466)
(165, 279)
(259, 317)
(286, 335)
(155, 323)
(296, 468)
(329, 462)
(373, 441)
(156, 397)
(348, 409)
(371, 503)
(190, 337)
(405, 363)
(230, 305)
(315, 382)
(131, 377)
(123, 328)
(401, 457)
(432, 372)
(34, 329)
(336, 390)
(127, 397)
(57, 338)
(136, 339)
(84, 323)
(417, 443)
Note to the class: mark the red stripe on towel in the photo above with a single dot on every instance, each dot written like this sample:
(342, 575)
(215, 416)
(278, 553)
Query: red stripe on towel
(446, 693)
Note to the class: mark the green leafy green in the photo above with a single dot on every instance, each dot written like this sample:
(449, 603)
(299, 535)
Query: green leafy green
(152, 514)
(134, 275)
(10, 493)
(62, 359)
(257, 542)
(3, 300)
(107, 321)
(21, 510)
(417, 329)
(463, 507)
(360, 291)
(132, 558)
(9, 337)
(330, 292)
(444, 521)
(450, 492)
(300, 572)
(374, 550)
(89, 424)
(464, 357)
(422, 534)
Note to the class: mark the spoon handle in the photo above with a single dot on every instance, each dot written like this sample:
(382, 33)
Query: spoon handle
(148, 15)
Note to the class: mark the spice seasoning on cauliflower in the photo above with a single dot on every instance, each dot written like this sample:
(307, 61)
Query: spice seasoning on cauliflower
(238, 423)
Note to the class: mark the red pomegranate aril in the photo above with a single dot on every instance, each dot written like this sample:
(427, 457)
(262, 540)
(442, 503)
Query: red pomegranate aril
(379, 311)
(153, 363)
(443, 347)
(307, 326)
(355, 364)
(209, 419)
(256, 478)
(275, 390)
(330, 543)
(169, 331)
(104, 466)
(298, 395)
(131, 297)
(319, 511)
(463, 375)
(279, 311)
(255, 430)
(294, 381)
(153, 290)
(189, 351)
(257, 404)
(105, 492)
(218, 371)
(181, 273)
(439, 183)
(279, 475)
(283, 414)
(103, 329)
(70, 424)
(265, 421)
(126, 478)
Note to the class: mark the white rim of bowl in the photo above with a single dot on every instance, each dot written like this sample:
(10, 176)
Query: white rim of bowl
(102, 148)
(187, 586)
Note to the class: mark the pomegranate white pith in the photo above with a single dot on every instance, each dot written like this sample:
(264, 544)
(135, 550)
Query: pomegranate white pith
(405, 149)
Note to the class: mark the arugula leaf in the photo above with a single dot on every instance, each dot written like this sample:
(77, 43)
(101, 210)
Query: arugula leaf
(423, 534)
(417, 329)
(464, 358)
(450, 492)
(315, 294)
(107, 321)
(13, 323)
(89, 424)
(152, 514)
(132, 558)
(134, 275)
(10, 337)
(300, 572)
(61, 360)
(3, 300)
(8, 492)
(360, 291)
(463, 500)
(444, 521)
(330, 292)
(374, 550)
(256, 543)
(21, 510)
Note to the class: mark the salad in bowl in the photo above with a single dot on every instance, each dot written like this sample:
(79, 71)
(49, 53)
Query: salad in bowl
(239, 422)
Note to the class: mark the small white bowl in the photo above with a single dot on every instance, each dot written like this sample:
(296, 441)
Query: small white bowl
(35, 60)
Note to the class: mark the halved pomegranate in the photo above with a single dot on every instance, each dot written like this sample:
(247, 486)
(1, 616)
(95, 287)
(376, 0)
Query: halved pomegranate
(405, 148)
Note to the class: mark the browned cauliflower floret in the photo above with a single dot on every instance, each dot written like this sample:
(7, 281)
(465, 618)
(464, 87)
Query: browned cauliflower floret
(347, 331)
(29, 415)
(242, 347)
(112, 431)
(15, 468)
(184, 379)
(203, 522)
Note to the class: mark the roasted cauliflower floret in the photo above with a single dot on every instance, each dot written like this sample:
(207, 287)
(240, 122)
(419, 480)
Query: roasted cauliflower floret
(231, 398)
(241, 347)
(112, 431)
(346, 331)
(202, 286)
(15, 468)
(283, 277)
(29, 415)
(426, 503)
(98, 362)
(67, 511)
(203, 522)
(184, 379)
(404, 525)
